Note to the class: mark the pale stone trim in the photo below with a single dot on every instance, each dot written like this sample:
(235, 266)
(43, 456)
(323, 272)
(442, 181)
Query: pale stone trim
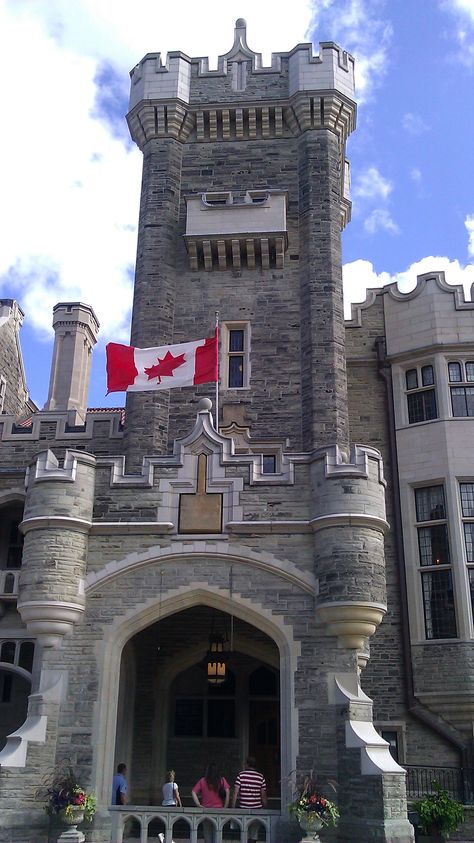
(376, 758)
(350, 519)
(61, 420)
(277, 526)
(139, 528)
(47, 467)
(49, 620)
(190, 594)
(14, 752)
(193, 817)
(203, 548)
(41, 522)
(352, 621)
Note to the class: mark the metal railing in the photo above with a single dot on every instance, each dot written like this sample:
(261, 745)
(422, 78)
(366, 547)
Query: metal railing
(143, 822)
(457, 781)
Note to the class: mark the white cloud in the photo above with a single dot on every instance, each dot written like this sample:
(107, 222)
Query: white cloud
(360, 275)
(70, 185)
(359, 27)
(380, 220)
(416, 175)
(414, 124)
(372, 185)
(462, 12)
(109, 28)
(69, 200)
(469, 223)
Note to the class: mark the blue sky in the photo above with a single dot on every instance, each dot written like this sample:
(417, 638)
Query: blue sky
(70, 176)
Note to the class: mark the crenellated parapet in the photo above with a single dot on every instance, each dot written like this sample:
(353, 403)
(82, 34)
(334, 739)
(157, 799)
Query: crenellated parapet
(242, 99)
(349, 523)
(56, 524)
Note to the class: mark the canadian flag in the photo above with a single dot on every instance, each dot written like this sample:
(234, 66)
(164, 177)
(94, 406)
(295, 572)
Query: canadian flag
(132, 369)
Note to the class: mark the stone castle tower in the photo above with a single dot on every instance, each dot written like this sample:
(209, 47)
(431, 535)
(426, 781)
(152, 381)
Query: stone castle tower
(259, 525)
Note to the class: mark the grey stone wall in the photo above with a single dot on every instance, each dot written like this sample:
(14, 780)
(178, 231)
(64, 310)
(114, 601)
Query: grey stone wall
(16, 396)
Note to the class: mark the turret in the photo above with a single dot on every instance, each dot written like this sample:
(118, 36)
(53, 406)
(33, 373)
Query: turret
(76, 327)
(56, 524)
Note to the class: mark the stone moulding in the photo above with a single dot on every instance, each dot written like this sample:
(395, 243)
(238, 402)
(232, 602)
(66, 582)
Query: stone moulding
(49, 620)
(46, 466)
(351, 622)
(14, 752)
(40, 522)
(350, 519)
(360, 733)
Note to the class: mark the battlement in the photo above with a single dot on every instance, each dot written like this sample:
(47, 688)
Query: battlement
(240, 72)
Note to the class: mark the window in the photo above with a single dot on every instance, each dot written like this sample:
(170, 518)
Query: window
(421, 394)
(392, 738)
(236, 355)
(268, 463)
(462, 395)
(434, 562)
(11, 539)
(206, 710)
(467, 512)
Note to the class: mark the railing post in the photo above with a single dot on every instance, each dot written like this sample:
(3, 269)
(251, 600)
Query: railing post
(143, 828)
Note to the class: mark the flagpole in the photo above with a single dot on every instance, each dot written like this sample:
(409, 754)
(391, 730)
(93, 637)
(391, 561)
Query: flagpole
(217, 380)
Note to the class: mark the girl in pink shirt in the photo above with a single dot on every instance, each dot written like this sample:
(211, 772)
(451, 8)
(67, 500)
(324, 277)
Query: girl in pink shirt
(212, 791)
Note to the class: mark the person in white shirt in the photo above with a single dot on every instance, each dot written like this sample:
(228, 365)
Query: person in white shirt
(170, 789)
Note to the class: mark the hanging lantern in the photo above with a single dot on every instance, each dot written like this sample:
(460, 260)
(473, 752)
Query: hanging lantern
(216, 660)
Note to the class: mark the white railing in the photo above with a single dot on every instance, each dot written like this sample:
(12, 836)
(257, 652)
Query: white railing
(240, 821)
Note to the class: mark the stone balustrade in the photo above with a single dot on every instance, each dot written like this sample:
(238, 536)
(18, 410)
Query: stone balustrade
(239, 819)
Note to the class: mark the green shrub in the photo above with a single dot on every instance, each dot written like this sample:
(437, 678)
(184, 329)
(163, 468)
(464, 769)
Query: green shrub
(438, 812)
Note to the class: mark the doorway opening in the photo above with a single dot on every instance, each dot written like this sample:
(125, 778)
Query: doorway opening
(171, 717)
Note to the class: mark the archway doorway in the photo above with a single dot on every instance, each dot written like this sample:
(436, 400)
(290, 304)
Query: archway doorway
(171, 717)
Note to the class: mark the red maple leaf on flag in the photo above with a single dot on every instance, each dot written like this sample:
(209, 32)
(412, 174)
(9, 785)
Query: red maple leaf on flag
(165, 367)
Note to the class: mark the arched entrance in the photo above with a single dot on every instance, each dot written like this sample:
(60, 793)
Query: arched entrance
(171, 716)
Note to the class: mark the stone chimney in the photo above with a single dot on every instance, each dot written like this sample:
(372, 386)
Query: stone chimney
(76, 327)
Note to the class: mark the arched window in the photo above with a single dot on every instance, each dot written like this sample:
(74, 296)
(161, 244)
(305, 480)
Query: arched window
(9, 586)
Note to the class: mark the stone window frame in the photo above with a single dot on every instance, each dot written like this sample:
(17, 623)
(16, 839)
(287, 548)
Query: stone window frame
(420, 391)
(225, 329)
(430, 526)
(461, 381)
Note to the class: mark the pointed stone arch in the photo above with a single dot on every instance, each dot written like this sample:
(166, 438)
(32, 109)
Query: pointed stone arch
(138, 618)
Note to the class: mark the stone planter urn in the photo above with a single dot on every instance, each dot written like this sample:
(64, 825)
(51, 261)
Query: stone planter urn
(72, 819)
(310, 829)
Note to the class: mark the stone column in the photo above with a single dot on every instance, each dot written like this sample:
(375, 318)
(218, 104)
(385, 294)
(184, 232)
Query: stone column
(324, 385)
(146, 419)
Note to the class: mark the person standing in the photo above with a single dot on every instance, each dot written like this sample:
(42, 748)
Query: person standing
(250, 789)
(212, 791)
(170, 791)
(119, 786)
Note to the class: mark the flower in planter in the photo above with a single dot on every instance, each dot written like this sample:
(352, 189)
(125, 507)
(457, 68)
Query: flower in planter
(309, 805)
(438, 812)
(62, 793)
